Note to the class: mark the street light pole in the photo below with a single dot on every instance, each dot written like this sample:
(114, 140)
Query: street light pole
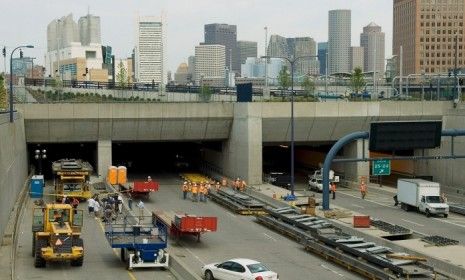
(11, 78)
(292, 63)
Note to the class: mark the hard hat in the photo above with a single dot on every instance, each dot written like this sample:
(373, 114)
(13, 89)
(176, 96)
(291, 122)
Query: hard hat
(185, 182)
(148, 177)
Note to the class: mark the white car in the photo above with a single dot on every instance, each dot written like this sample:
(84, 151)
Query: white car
(315, 184)
(238, 269)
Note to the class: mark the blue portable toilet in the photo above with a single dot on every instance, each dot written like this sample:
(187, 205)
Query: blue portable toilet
(37, 186)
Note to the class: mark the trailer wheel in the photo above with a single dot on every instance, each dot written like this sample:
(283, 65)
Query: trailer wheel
(446, 215)
(404, 206)
(39, 261)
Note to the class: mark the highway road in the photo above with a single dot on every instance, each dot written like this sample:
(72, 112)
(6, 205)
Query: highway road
(100, 261)
(237, 236)
(379, 203)
(240, 236)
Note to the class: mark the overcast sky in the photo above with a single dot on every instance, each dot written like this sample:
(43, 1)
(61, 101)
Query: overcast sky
(25, 21)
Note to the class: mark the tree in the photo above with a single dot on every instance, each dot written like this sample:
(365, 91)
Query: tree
(308, 85)
(3, 97)
(284, 78)
(122, 76)
(205, 93)
(357, 82)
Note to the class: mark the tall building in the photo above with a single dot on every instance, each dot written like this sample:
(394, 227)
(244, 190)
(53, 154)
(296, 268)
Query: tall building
(339, 41)
(357, 58)
(246, 49)
(149, 51)
(372, 40)
(427, 31)
(191, 67)
(226, 35)
(73, 47)
(322, 49)
(210, 64)
(89, 30)
(296, 47)
(255, 68)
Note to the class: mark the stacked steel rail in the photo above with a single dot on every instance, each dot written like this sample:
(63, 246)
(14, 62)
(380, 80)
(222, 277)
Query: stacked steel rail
(239, 202)
(457, 208)
(367, 258)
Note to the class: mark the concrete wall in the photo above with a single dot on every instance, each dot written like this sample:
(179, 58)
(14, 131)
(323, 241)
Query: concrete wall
(353, 170)
(13, 165)
(449, 172)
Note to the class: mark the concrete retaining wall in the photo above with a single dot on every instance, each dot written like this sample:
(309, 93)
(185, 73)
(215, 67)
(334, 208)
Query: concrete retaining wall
(13, 165)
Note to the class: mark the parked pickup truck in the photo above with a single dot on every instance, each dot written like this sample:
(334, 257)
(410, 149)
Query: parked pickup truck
(315, 181)
(421, 195)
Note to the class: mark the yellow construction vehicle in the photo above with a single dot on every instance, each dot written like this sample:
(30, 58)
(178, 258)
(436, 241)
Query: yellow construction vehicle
(56, 234)
(72, 178)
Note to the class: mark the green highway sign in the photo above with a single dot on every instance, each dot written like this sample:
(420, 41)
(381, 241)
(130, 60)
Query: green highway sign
(381, 167)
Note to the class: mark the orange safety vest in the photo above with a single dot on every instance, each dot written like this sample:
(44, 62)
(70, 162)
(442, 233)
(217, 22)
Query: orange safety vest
(195, 189)
(205, 189)
(185, 188)
(224, 182)
(363, 187)
(333, 187)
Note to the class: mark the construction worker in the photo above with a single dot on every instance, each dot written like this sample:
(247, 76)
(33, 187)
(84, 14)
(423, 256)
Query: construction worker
(443, 198)
(237, 184)
(242, 186)
(201, 191)
(332, 188)
(195, 191)
(185, 190)
(217, 186)
(149, 179)
(224, 182)
(206, 190)
(363, 189)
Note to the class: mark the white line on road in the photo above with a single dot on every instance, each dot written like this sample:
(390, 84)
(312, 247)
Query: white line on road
(232, 215)
(408, 221)
(195, 256)
(269, 237)
(327, 268)
(382, 204)
(358, 206)
(447, 222)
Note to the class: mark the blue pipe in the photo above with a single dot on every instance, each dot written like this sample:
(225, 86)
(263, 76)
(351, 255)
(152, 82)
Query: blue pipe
(331, 155)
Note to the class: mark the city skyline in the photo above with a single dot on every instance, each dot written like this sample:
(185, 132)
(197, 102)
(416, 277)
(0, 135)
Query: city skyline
(184, 22)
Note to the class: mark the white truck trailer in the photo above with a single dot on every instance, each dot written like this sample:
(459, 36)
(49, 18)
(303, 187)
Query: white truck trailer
(421, 195)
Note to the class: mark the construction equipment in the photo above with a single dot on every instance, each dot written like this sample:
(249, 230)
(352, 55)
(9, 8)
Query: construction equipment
(56, 234)
(184, 224)
(72, 178)
(240, 202)
(142, 242)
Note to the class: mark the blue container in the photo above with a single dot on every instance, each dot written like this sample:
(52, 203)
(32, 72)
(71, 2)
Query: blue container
(37, 186)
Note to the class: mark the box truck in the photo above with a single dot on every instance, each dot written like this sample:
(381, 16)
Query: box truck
(421, 195)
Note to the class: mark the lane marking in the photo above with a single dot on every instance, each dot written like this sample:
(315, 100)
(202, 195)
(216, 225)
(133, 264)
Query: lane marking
(356, 205)
(378, 203)
(408, 221)
(332, 270)
(270, 237)
(447, 222)
(195, 256)
(232, 215)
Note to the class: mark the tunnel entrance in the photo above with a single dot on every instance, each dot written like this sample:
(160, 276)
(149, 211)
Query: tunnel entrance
(54, 151)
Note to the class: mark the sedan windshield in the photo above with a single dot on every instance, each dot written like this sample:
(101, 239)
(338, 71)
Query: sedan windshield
(257, 267)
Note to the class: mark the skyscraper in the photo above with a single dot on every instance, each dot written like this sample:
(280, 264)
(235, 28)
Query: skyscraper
(372, 40)
(295, 47)
(246, 49)
(210, 62)
(226, 35)
(89, 30)
(427, 30)
(62, 32)
(339, 35)
(322, 49)
(149, 51)
(357, 58)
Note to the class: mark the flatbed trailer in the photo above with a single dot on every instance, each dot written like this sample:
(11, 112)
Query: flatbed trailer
(185, 224)
(142, 244)
(139, 188)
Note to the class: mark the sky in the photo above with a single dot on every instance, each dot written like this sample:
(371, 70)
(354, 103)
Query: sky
(25, 21)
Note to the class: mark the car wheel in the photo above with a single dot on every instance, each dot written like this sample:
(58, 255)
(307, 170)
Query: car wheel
(428, 214)
(446, 215)
(209, 275)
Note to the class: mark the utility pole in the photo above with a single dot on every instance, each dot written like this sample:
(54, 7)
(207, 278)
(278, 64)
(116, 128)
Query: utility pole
(401, 55)
(374, 70)
(326, 72)
(266, 61)
(455, 68)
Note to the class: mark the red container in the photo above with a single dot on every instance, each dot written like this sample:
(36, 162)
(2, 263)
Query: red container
(198, 224)
(362, 221)
(145, 187)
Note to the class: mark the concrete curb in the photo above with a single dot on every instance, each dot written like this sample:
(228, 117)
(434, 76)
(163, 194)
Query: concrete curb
(10, 237)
